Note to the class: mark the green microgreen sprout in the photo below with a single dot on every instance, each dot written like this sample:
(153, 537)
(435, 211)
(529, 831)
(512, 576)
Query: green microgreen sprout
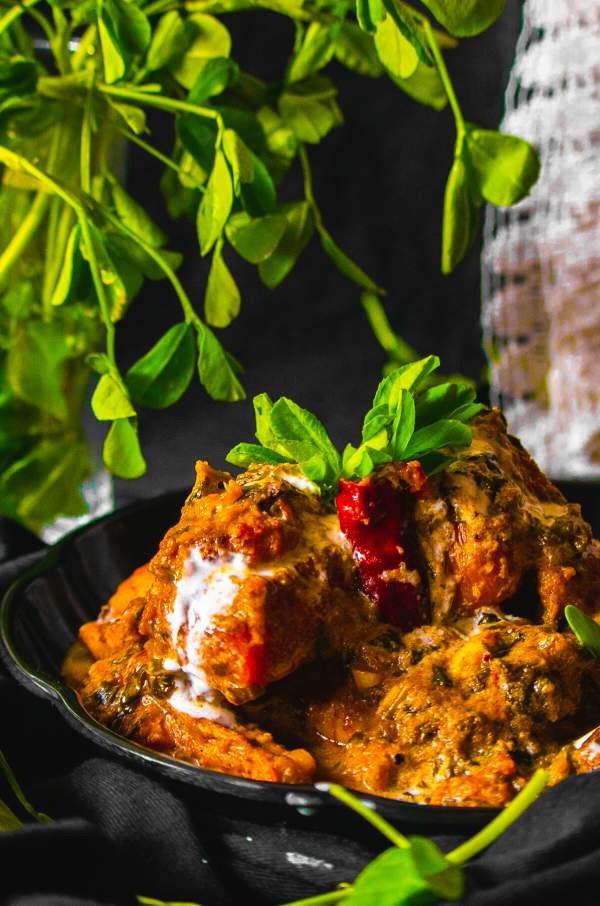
(585, 629)
(410, 418)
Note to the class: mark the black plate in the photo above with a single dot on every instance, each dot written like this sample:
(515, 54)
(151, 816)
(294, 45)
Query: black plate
(43, 610)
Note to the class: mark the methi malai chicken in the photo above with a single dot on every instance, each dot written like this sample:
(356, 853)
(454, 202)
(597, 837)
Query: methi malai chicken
(411, 644)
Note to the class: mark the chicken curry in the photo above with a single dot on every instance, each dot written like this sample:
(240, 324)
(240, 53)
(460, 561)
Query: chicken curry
(411, 644)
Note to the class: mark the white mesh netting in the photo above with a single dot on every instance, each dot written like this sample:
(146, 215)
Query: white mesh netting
(541, 258)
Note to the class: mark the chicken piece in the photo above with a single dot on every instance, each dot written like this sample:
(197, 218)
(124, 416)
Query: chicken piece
(492, 522)
(247, 581)
(133, 696)
(117, 625)
(444, 719)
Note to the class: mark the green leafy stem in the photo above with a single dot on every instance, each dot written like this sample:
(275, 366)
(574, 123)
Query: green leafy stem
(235, 139)
(411, 417)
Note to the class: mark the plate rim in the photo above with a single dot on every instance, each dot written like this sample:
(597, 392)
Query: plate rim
(305, 798)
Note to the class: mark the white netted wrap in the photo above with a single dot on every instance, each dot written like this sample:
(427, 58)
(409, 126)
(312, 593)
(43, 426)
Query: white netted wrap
(541, 258)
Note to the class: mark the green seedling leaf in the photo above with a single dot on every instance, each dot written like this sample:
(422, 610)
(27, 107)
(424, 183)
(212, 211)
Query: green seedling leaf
(448, 400)
(407, 377)
(263, 406)
(245, 455)
(403, 425)
(441, 434)
(396, 53)
(134, 217)
(110, 400)
(302, 435)
(222, 299)
(216, 204)
(209, 38)
(258, 196)
(314, 53)
(122, 454)
(217, 375)
(255, 238)
(355, 49)
(124, 31)
(198, 137)
(309, 108)
(214, 77)
(134, 117)
(169, 40)
(346, 265)
(460, 217)
(370, 13)
(6, 769)
(160, 377)
(35, 366)
(504, 167)
(424, 86)
(71, 269)
(359, 463)
(298, 232)
(111, 278)
(584, 628)
(465, 18)
(240, 158)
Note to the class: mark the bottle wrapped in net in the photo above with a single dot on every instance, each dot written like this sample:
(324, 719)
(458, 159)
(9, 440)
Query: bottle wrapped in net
(541, 259)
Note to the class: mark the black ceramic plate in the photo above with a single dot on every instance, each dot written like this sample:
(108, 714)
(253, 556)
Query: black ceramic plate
(43, 610)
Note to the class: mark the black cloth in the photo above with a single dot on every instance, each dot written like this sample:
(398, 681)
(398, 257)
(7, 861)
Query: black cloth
(119, 832)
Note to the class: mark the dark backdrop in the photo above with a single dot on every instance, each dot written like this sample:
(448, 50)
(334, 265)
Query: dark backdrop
(379, 180)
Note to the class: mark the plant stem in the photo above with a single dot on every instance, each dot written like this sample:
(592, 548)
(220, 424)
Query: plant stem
(86, 234)
(24, 234)
(150, 149)
(13, 14)
(6, 769)
(397, 348)
(446, 80)
(369, 815)
(308, 190)
(162, 103)
(85, 42)
(188, 309)
(495, 828)
(322, 899)
(85, 154)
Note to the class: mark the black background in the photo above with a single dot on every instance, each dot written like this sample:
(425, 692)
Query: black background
(379, 180)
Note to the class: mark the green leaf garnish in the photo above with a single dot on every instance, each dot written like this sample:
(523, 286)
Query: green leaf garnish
(584, 628)
(403, 423)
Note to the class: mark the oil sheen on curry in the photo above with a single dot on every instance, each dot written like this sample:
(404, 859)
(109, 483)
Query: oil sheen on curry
(411, 643)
